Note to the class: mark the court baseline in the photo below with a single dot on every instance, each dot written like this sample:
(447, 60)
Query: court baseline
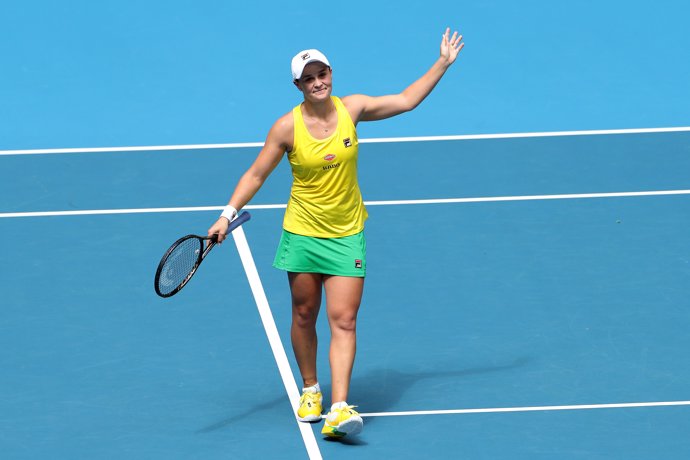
(367, 203)
(460, 137)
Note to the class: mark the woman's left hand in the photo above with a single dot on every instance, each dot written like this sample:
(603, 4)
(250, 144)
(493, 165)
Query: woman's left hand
(451, 46)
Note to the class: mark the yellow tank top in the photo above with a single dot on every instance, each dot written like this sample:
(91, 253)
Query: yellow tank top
(325, 200)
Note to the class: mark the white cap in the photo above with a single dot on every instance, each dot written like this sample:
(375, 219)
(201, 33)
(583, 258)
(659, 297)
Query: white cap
(305, 57)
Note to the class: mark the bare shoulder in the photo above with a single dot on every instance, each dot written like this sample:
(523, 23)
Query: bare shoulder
(285, 123)
(282, 131)
(355, 101)
(355, 105)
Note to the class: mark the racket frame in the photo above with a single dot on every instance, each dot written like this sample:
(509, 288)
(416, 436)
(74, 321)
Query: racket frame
(212, 241)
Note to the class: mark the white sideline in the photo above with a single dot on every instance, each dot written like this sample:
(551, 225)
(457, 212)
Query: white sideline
(274, 338)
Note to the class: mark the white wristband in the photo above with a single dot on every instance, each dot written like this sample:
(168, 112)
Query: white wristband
(229, 213)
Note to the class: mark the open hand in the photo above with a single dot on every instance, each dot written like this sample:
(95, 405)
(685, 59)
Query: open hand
(451, 46)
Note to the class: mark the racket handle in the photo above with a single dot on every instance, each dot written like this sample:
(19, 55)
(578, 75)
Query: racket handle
(242, 218)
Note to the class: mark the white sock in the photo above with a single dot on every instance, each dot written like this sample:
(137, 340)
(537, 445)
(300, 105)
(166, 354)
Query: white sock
(312, 389)
(338, 405)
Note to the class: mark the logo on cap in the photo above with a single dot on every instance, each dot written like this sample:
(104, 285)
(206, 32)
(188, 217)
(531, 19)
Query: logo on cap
(305, 56)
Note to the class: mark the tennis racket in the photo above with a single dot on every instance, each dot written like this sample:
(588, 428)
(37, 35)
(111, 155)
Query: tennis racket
(181, 261)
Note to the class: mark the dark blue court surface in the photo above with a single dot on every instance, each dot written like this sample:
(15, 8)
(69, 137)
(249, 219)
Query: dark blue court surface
(518, 293)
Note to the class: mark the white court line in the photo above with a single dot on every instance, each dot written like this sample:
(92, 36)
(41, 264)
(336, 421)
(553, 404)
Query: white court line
(132, 211)
(460, 137)
(145, 148)
(274, 339)
(528, 409)
(367, 203)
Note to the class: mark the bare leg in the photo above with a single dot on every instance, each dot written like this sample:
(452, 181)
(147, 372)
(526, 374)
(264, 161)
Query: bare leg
(306, 302)
(343, 297)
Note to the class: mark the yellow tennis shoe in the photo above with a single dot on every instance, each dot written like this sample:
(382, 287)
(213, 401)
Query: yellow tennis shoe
(341, 421)
(310, 407)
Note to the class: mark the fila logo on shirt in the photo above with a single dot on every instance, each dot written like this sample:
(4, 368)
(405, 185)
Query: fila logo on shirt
(347, 142)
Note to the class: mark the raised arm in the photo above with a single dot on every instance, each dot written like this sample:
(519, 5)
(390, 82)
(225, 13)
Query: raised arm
(368, 108)
(278, 141)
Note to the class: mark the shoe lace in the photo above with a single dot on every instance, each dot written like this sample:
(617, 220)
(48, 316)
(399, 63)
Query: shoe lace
(346, 408)
(333, 416)
(309, 397)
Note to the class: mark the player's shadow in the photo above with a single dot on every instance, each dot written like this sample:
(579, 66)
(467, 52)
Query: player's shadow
(375, 391)
(270, 406)
(379, 390)
(266, 406)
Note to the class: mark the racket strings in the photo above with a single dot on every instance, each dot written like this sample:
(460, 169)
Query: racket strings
(180, 265)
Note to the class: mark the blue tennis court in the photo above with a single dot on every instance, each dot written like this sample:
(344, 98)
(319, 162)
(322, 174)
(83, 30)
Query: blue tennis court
(482, 312)
(528, 259)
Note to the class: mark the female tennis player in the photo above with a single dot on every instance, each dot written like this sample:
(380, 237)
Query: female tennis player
(322, 245)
